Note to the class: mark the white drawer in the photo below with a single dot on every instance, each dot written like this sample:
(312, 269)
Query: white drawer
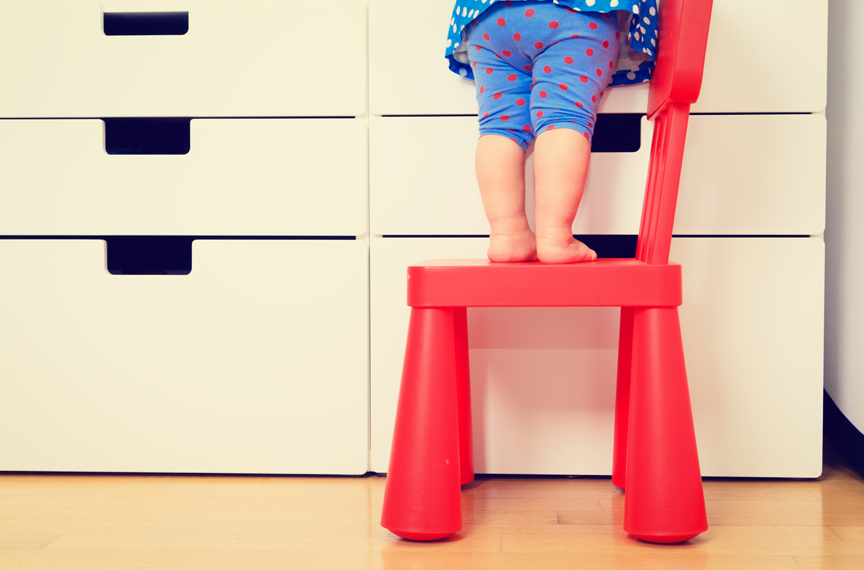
(230, 369)
(752, 65)
(238, 58)
(240, 177)
(543, 379)
(742, 175)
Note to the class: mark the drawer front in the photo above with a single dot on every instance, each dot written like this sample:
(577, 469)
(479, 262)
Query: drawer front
(543, 380)
(742, 175)
(240, 177)
(250, 58)
(228, 369)
(743, 72)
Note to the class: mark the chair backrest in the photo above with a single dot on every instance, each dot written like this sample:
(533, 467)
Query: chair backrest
(675, 85)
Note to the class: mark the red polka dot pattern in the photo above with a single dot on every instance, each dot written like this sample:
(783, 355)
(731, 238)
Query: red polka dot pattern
(553, 57)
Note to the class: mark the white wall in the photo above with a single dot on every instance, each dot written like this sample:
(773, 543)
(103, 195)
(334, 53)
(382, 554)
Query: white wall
(844, 234)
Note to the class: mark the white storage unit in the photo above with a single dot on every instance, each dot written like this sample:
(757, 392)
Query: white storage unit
(749, 222)
(230, 368)
(224, 370)
(730, 185)
(745, 68)
(239, 58)
(543, 379)
(264, 177)
(257, 361)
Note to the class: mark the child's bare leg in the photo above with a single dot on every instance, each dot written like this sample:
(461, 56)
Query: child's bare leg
(500, 165)
(561, 159)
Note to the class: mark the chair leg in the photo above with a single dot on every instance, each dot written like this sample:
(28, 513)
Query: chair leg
(463, 396)
(422, 496)
(664, 501)
(622, 398)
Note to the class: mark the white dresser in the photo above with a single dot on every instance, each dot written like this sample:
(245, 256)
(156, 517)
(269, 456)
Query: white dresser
(256, 361)
(748, 234)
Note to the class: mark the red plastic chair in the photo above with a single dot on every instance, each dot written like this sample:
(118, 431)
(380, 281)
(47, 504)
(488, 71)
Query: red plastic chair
(655, 456)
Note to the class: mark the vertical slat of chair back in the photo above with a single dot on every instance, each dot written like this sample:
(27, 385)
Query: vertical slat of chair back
(675, 84)
(661, 193)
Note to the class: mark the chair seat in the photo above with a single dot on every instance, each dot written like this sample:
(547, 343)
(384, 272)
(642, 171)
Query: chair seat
(601, 283)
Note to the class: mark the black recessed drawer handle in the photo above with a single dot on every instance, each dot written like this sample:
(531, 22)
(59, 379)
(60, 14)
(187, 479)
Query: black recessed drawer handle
(149, 255)
(145, 23)
(617, 132)
(148, 135)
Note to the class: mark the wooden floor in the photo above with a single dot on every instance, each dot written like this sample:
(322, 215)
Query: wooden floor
(135, 522)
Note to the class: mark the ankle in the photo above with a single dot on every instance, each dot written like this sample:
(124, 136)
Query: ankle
(510, 227)
(562, 233)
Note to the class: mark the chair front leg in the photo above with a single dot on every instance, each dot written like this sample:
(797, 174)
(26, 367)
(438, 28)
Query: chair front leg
(422, 496)
(664, 501)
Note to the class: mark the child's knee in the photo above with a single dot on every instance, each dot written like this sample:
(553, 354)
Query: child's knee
(578, 119)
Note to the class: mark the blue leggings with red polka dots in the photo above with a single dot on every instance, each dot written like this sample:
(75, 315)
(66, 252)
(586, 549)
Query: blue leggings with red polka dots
(539, 66)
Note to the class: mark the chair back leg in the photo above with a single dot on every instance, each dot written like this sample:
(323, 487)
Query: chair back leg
(422, 497)
(622, 398)
(664, 500)
(463, 395)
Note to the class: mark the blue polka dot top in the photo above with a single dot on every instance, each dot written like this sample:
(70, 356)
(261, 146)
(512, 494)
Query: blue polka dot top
(634, 64)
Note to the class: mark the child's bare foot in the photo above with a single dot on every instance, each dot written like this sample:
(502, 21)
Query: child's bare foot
(512, 247)
(561, 247)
